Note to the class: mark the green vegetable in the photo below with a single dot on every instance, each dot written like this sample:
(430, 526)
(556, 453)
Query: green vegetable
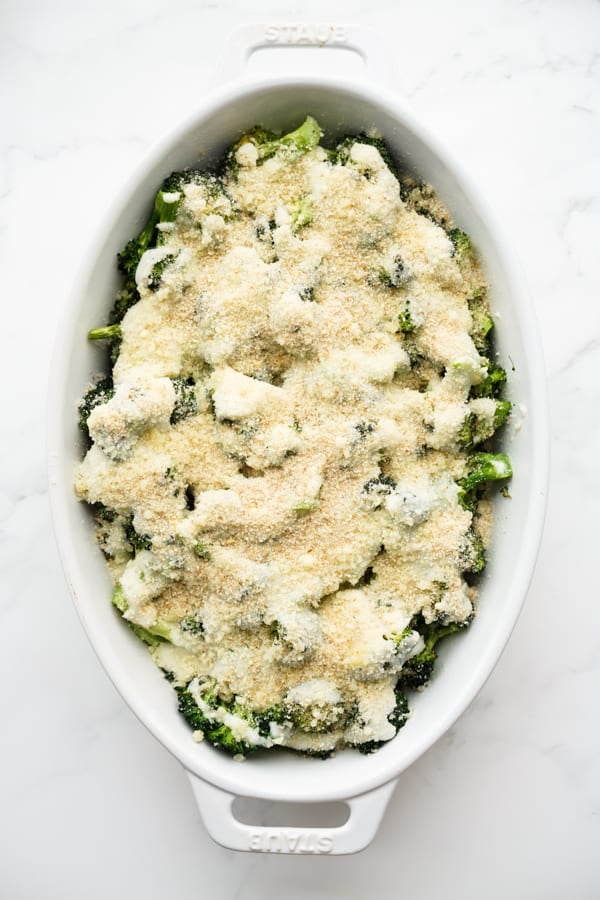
(398, 718)
(477, 429)
(96, 395)
(461, 243)
(395, 276)
(268, 143)
(302, 212)
(158, 270)
(417, 670)
(137, 541)
(341, 154)
(104, 333)
(473, 555)
(306, 506)
(201, 550)
(482, 321)
(316, 718)
(217, 733)
(186, 402)
(382, 484)
(165, 209)
(192, 624)
(406, 322)
(152, 636)
(482, 468)
(492, 385)
(176, 182)
(306, 137)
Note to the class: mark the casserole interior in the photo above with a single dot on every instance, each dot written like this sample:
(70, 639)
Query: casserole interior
(465, 661)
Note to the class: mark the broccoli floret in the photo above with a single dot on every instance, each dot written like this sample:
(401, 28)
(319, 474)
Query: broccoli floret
(461, 243)
(477, 429)
(473, 553)
(315, 718)
(417, 670)
(104, 513)
(152, 636)
(369, 747)
(503, 408)
(303, 139)
(365, 428)
(190, 710)
(376, 490)
(256, 135)
(201, 550)
(307, 294)
(398, 718)
(406, 322)
(217, 733)
(482, 468)
(166, 204)
(467, 430)
(99, 393)
(319, 754)
(192, 624)
(137, 541)
(214, 188)
(127, 297)
(395, 276)
(277, 631)
(176, 181)
(165, 209)
(401, 712)
(492, 385)
(262, 720)
(186, 403)
(221, 736)
(421, 198)
(158, 269)
(481, 329)
(302, 212)
(268, 143)
(382, 484)
(341, 154)
(482, 321)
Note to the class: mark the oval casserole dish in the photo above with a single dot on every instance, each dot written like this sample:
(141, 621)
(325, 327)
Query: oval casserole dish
(340, 107)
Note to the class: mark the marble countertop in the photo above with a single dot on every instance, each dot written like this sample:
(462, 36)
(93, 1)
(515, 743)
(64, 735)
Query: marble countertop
(507, 804)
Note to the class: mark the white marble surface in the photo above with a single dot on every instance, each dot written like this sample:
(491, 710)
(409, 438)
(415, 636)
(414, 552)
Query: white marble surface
(507, 805)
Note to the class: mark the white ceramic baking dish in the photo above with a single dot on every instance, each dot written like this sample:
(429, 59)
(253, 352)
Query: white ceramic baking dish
(364, 782)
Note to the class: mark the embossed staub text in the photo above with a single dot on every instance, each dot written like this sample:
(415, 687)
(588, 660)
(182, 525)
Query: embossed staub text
(305, 33)
(281, 840)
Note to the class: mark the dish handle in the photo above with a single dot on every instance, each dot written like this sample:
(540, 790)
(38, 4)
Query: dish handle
(297, 45)
(366, 812)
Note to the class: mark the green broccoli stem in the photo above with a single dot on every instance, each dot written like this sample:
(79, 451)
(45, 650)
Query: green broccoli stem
(105, 333)
(165, 210)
